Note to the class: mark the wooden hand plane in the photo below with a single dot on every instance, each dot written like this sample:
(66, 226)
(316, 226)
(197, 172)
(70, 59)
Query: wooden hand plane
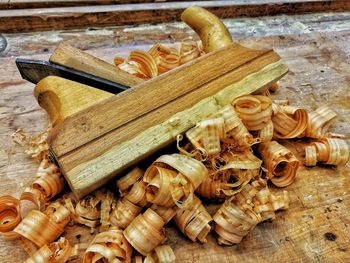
(97, 135)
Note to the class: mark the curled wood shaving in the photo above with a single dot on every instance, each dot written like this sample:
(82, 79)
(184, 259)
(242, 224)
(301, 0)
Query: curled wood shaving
(319, 122)
(288, 121)
(160, 189)
(86, 212)
(280, 163)
(147, 64)
(124, 213)
(310, 155)
(59, 213)
(108, 246)
(190, 50)
(166, 58)
(207, 134)
(163, 254)
(130, 205)
(257, 197)
(125, 183)
(175, 184)
(10, 216)
(42, 229)
(280, 201)
(232, 223)
(237, 134)
(255, 111)
(194, 221)
(58, 252)
(331, 151)
(37, 147)
(145, 232)
(212, 132)
(137, 194)
(48, 183)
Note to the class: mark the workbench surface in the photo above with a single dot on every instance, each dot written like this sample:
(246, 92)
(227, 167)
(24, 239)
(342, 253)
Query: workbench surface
(316, 47)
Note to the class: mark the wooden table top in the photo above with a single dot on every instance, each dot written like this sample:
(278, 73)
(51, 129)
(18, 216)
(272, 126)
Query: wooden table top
(316, 48)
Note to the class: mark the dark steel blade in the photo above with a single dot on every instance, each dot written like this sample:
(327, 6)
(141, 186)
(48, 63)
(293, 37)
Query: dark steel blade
(36, 70)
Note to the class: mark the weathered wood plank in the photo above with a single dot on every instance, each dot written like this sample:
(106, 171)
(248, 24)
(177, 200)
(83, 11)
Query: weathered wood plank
(22, 4)
(111, 38)
(107, 15)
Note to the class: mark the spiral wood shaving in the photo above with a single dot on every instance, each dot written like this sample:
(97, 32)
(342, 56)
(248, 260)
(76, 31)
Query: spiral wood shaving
(319, 122)
(42, 229)
(47, 184)
(280, 163)
(108, 246)
(172, 179)
(194, 221)
(56, 252)
(133, 198)
(288, 121)
(331, 151)
(146, 232)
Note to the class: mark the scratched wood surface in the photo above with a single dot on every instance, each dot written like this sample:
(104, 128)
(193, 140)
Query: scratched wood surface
(24, 20)
(317, 50)
(21, 4)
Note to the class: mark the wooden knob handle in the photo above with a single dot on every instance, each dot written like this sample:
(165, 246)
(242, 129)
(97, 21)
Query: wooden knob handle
(211, 30)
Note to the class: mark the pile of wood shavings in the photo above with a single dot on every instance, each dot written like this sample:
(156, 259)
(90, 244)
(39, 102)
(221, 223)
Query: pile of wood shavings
(159, 59)
(229, 157)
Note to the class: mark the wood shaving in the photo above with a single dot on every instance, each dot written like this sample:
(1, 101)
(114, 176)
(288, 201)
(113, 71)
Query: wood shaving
(175, 184)
(289, 121)
(254, 111)
(42, 229)
(194, 221)
(232, 223)
(145, 232)
(58, 252)
(319, 122)
(332, 151)
(280, 163)
(10, 216)
(37, 146)
(133, 192)
(48, 183)
(108, 246)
